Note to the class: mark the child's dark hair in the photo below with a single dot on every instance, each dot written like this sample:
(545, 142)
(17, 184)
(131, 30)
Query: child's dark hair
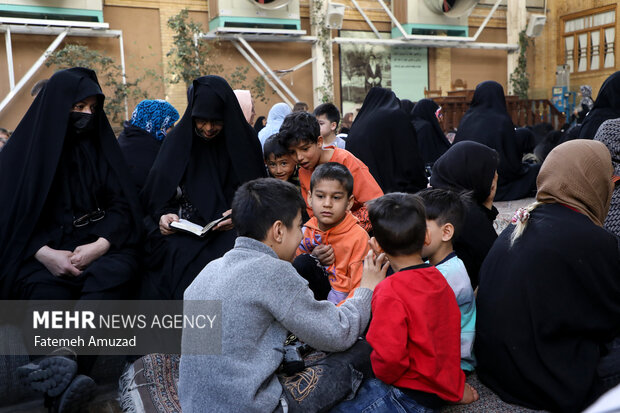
(330, 111)
(274, 146)
(299, 127)
(398, 223)
(333, 171)
(259, 203)
(445, 207)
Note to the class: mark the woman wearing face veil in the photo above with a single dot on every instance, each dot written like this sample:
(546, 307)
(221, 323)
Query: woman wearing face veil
(69, 215)
(471, 166)
(487, 122)
(208, 155)
(548, 301)
(383, 137)
(606, 106)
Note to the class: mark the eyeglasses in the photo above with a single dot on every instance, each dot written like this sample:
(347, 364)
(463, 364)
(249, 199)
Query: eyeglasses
(89, 218)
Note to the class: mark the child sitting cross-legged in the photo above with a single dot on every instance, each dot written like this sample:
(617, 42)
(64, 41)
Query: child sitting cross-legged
(262, 299)
(300, 133)
(415, 331)
(445, 213)
(332, 236)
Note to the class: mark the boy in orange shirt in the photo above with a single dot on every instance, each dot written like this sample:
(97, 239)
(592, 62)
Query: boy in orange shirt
(300, 133)
(332, 236)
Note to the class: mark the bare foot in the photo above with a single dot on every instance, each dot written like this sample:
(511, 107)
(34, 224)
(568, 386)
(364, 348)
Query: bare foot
(470, 395)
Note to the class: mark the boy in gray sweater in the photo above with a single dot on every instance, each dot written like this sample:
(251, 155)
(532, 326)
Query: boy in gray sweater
(263, 298)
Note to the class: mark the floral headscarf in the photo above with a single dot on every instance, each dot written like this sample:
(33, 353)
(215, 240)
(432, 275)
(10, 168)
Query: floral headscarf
(155, 117)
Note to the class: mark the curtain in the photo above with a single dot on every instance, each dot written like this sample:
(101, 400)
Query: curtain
(583, 53)
(568, 53)
(610, 37)
(595, 58)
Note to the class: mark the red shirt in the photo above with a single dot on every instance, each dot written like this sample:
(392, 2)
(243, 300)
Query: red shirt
(415, 333)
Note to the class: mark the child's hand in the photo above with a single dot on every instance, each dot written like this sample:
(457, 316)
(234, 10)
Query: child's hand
(374, 270)
(324, 253)
(226, 224)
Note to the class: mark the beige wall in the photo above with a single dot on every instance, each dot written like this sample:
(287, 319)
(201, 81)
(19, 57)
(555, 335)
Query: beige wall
(547, 54)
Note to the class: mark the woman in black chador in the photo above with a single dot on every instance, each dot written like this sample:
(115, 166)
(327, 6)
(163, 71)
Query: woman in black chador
(70, 218)
(383, 137)
(472, 167)
(487, 122)
(431, 139)
(606, 106)
(208, 155)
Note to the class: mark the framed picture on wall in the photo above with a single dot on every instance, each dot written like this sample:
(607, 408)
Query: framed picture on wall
(362, 66)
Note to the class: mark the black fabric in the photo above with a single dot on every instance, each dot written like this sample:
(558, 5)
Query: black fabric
(208, 172)
(407, 106)
(431, 139)
(525, 140)
(487, 122)
(140, 149)
(547, 306)
(606, 106)
(383, 137)
(49, 175)
(310, 268)
(470, 166)
(258, 125)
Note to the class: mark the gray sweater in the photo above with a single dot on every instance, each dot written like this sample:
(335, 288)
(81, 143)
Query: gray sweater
(262, 297)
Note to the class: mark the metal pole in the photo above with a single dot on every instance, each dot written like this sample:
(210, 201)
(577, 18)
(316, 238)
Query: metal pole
(396, 23)
(361, 11)
(120, 37)
(9, 57)
(486, 20)
(262, 73)
(267, 68)
(33, 69)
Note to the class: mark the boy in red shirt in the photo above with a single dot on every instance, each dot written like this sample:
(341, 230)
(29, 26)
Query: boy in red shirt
(333, 236)
(415, 330)
(300, 133)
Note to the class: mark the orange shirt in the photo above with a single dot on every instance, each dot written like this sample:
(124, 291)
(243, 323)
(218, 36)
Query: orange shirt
(350, 244)
(365, 188)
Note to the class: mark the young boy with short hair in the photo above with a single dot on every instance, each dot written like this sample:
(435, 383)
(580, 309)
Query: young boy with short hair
(445, 213)
(262, 298)
(328, 116)
(415, 327)
(279, 161)
(300, 133)
(332, 234)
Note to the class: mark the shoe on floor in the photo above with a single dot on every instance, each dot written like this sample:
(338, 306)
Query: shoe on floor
(77, 396)
(50, 374)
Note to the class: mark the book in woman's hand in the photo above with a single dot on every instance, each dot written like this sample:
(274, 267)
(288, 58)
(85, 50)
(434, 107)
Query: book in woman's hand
(192, 228)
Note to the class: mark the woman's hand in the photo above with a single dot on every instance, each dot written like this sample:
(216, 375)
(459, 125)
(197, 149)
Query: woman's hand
(164, 223)
(86, 254)
(226, 224)
(58, 262)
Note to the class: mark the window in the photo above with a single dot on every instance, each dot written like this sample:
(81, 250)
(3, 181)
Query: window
(588, 39)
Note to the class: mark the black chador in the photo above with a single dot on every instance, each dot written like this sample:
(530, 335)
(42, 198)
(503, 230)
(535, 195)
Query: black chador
(64, 188)
(195, 177)
(431, 139)
(487, 122)
(383, 137)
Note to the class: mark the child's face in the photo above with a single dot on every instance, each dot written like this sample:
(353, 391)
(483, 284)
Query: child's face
(326, 127)
(291, 238)
(329, 202)
(435, 233)
(281, 167)
(307, 154)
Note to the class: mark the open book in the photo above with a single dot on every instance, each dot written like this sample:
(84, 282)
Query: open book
(188, 226)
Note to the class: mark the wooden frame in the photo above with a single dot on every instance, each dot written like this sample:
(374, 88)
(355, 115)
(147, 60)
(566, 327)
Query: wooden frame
(575, 35)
